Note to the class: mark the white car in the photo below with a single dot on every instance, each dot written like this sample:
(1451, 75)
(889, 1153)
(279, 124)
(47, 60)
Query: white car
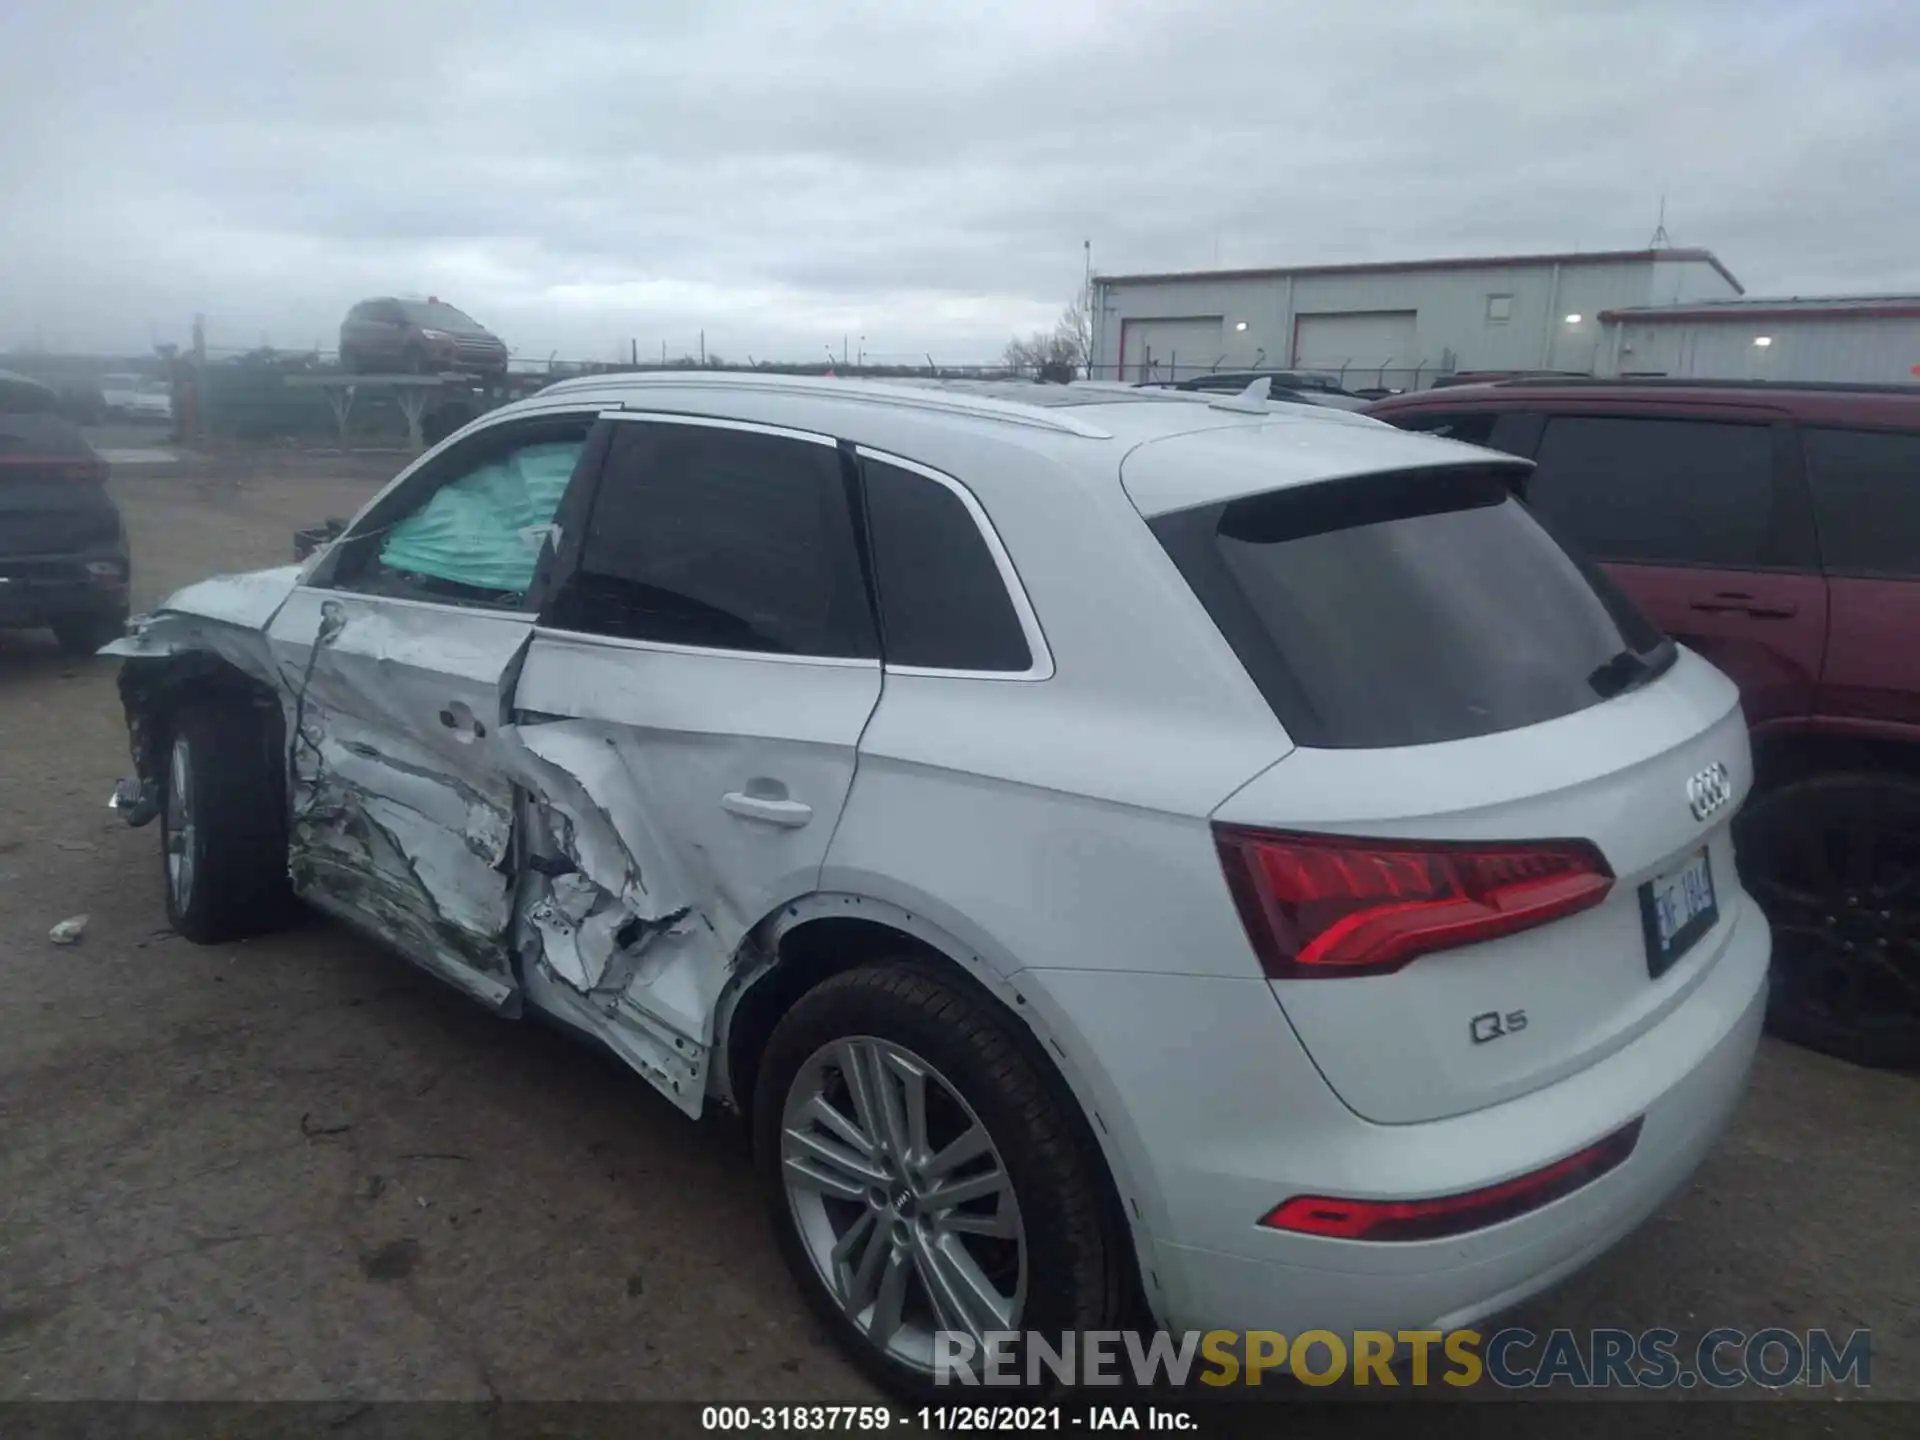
(1122, 854)
(136, 397)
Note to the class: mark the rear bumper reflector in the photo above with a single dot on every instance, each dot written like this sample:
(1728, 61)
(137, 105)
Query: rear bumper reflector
(1432, 1219)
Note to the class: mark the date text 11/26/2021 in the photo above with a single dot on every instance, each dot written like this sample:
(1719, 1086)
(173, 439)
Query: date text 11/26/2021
(943, 1419)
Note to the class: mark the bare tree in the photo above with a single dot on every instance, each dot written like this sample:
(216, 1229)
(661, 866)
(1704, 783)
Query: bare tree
(1057, 353)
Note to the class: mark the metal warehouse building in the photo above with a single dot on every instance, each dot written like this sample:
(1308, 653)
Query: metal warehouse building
(1865, 338)
(1395, 324)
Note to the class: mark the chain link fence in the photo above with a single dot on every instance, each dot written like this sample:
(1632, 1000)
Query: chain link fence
(1355, 376)
(268, 396)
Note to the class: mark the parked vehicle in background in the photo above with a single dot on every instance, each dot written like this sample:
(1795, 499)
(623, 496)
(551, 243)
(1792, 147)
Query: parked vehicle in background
(417, 337)
(1120, 854)
(137, 397)
(1487, 377)
(1776, 530)
(63, 551)
(1308, 387)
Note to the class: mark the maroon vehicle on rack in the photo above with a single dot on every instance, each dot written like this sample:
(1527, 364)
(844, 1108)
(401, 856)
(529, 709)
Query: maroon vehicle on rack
(1775, 529)
(418, 337)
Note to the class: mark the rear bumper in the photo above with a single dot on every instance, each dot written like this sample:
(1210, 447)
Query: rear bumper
(1216, 1138)
(39, 589)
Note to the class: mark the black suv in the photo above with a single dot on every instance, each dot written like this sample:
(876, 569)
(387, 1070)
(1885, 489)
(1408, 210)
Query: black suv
(63, 551)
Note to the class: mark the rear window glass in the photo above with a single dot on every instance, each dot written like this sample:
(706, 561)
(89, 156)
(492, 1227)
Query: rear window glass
(1866, 496)
(1407, 609)
(434, 312)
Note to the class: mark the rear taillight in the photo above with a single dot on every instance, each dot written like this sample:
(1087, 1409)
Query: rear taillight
(1319, 906)
(1452, 1214)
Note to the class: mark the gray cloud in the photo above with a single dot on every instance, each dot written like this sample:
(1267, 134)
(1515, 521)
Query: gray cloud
(919, 174)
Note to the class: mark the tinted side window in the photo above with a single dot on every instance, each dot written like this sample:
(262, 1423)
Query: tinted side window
(702, 535)
(1678, 492)
(1866, 500)
(943, 604)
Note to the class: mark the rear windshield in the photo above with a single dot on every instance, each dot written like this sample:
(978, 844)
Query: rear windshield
(1408, 609)
(434, 313)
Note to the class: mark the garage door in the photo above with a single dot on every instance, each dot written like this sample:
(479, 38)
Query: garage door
(1364, 339)
(1155, 349)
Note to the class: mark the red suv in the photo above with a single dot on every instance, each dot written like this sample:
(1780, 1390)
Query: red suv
(1775, 529)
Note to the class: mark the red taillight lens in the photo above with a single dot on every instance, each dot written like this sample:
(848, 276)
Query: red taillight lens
(1452, 1214)
(1317, 906)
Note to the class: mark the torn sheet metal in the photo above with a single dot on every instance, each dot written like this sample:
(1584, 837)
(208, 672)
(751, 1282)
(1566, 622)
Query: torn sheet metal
(245, 603)
(170, 653)
(608, 908)
(421, 812)
(401, 810)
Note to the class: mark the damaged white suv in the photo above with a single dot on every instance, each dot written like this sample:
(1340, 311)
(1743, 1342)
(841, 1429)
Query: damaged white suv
(1129, 856)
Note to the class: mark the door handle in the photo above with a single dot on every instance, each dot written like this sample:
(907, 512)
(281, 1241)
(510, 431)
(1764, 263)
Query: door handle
(1730, 602)
(790, 814)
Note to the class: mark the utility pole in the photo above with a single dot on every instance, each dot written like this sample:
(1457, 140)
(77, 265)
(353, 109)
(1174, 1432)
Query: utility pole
(843, 352)
(703, 349)
(1086, 307)
(633, 352)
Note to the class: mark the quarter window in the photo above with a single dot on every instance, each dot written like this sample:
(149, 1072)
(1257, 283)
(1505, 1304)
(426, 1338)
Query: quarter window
(1664, 492)
(723, 538)
(943, 603)
(1866, 500)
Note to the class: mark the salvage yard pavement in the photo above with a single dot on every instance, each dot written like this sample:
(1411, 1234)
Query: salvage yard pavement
(294, 1167)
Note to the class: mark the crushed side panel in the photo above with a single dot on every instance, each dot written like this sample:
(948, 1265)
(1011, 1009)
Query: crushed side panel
(409, 838)
(615, 933)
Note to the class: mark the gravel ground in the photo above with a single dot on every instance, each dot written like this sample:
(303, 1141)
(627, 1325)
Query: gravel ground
(294, 1168)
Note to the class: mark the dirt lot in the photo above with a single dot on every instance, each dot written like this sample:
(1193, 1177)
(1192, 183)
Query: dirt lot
(295, 1168)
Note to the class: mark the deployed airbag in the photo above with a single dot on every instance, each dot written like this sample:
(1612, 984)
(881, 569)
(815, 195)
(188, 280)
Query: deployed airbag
(486, 528)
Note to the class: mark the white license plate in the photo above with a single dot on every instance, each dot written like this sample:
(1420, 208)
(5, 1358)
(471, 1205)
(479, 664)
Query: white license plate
(1677, 909)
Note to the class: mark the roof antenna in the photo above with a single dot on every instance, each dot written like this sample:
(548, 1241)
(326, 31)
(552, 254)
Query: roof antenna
(1253, 398)
(1660, 240)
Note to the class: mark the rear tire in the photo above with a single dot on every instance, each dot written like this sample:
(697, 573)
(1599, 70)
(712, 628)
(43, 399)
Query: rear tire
(1834, 862)
(1037, 1233)
(223, 839)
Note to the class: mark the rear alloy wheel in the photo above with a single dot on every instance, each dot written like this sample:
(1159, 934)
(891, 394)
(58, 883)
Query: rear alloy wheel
(1835, 864)
(223, 845)
(901, 1198)
(923, 1175)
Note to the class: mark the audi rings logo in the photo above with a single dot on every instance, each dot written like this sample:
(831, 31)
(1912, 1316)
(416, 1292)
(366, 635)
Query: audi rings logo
(1709, 790)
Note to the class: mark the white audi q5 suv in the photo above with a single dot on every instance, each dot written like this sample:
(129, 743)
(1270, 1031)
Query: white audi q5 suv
(1120, 849)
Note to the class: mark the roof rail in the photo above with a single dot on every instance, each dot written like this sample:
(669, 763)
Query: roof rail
(865, 392)
(1675, 382)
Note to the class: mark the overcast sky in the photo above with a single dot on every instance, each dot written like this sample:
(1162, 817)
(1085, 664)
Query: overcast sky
(920, 173)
